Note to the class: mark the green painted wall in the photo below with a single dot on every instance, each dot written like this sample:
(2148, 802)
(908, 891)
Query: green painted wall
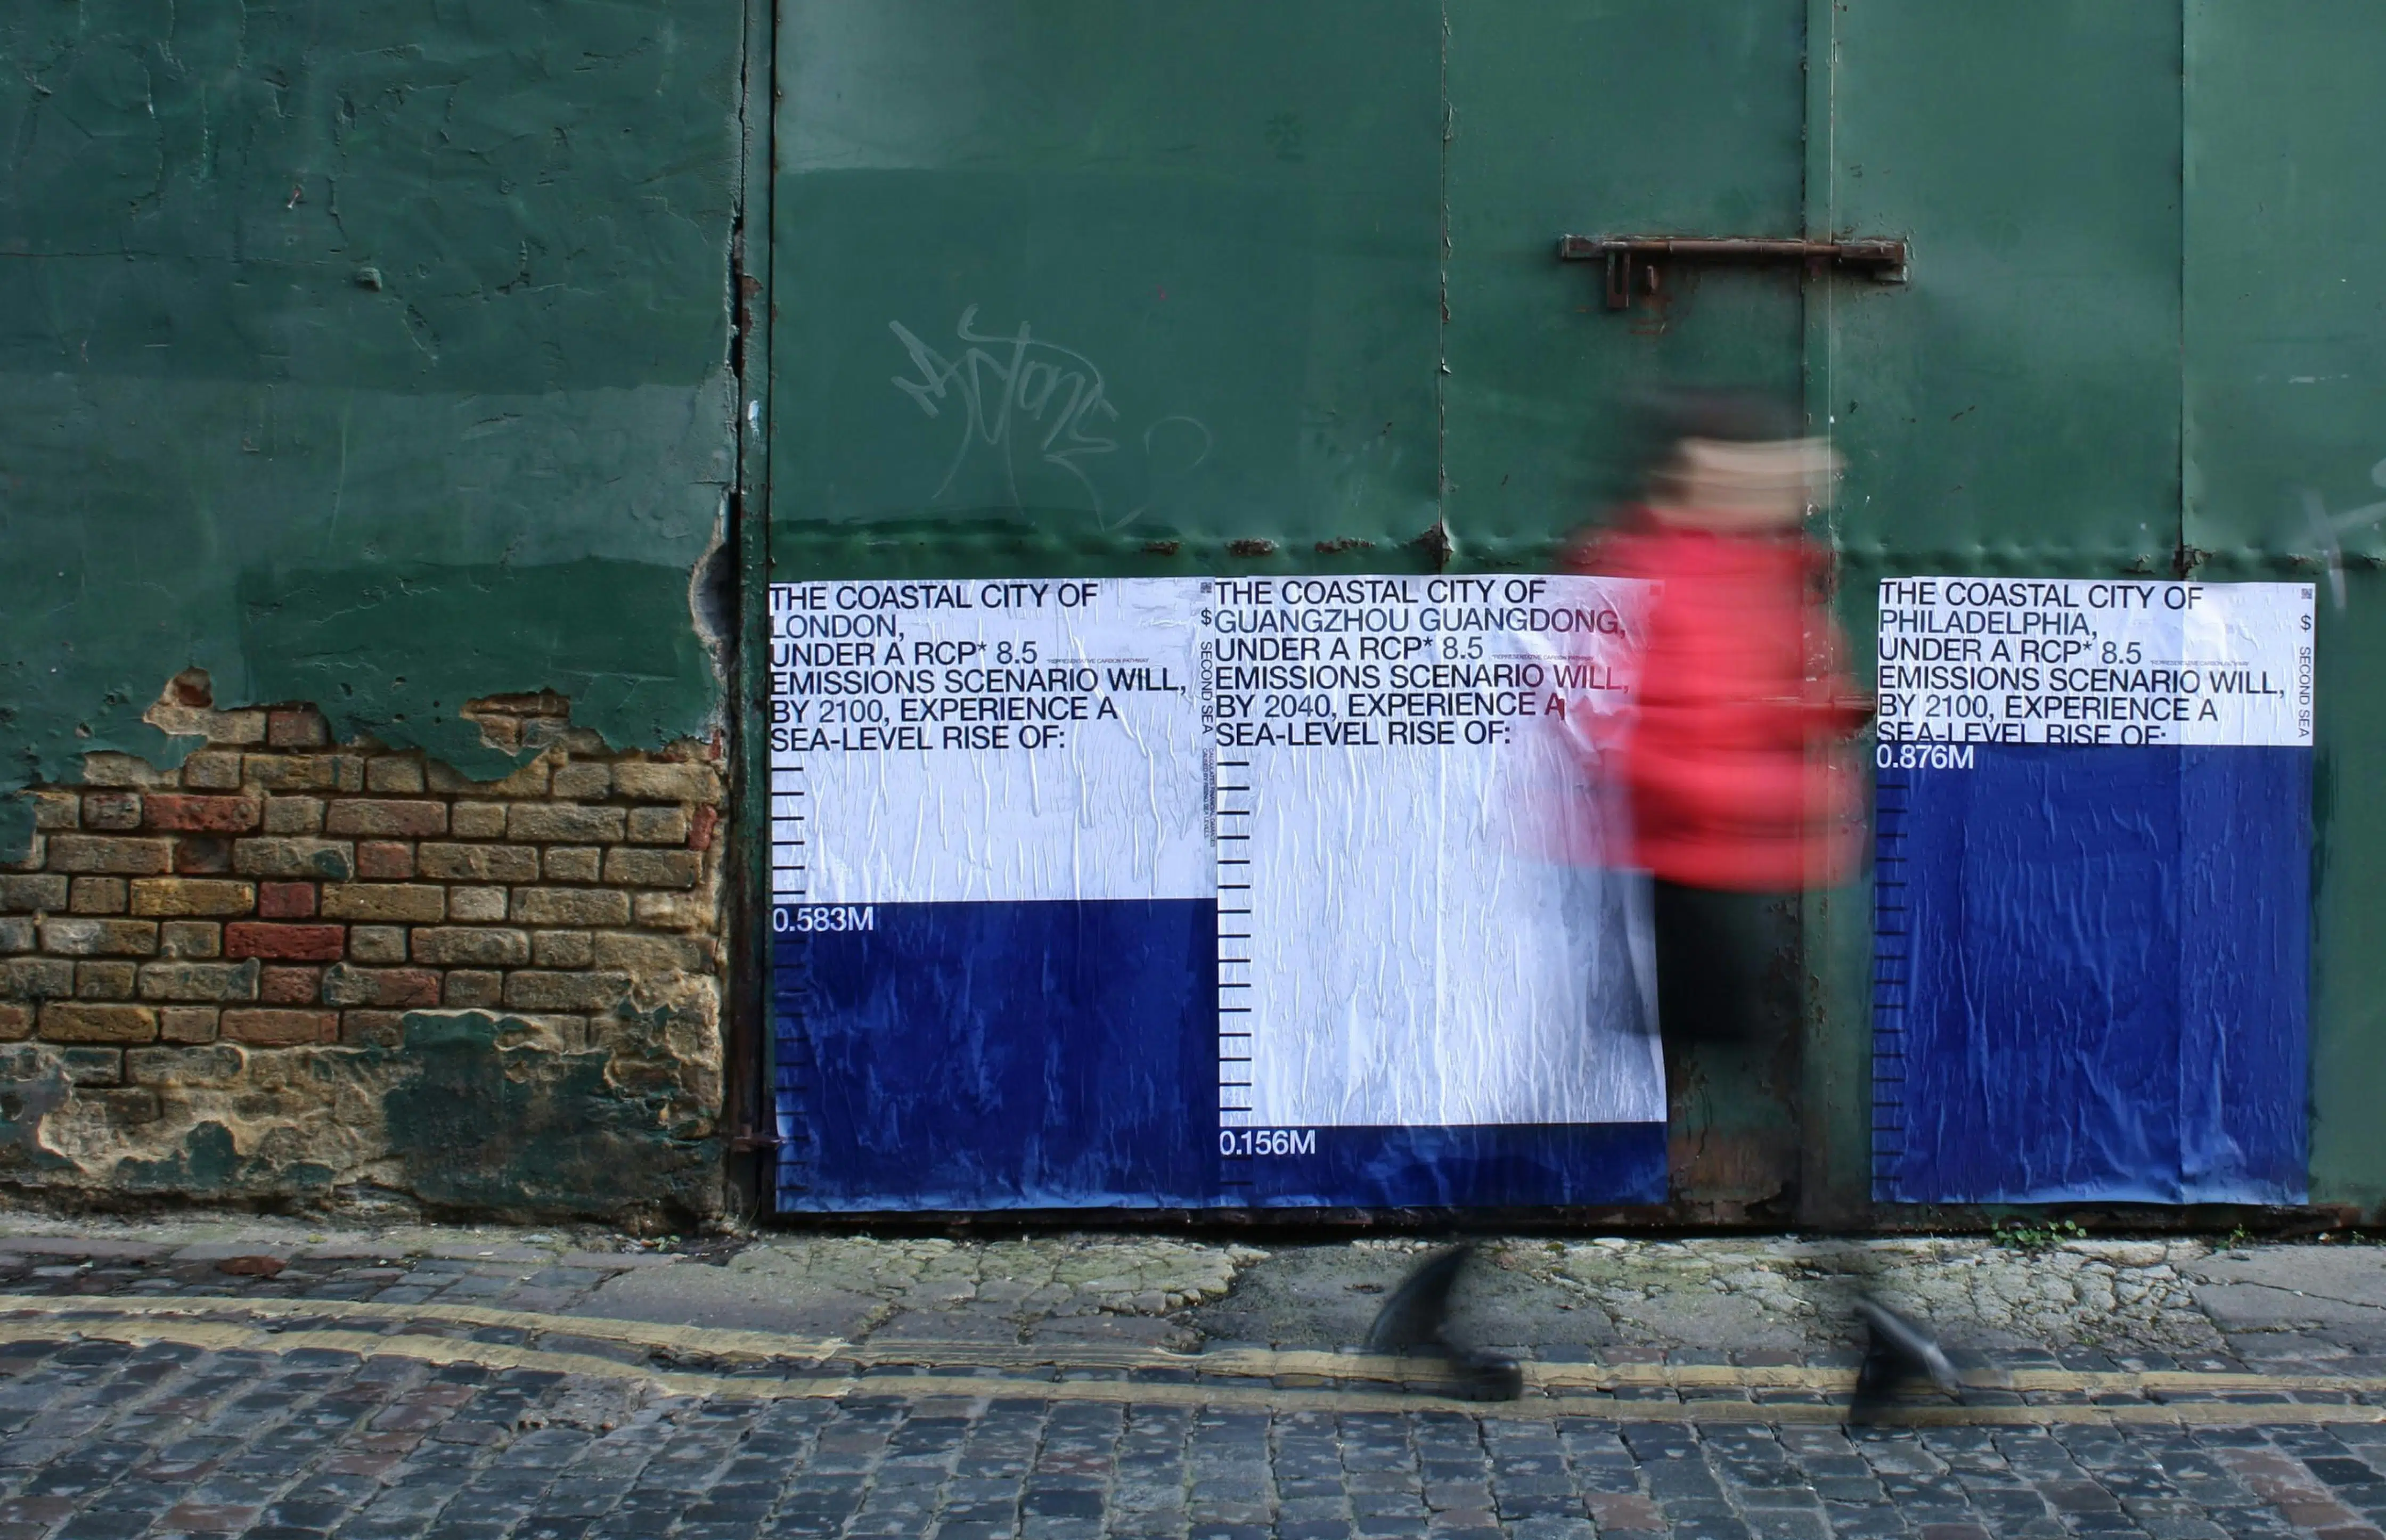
(2284, 459)
(374, 353)
(378, 355)
(2145, 316)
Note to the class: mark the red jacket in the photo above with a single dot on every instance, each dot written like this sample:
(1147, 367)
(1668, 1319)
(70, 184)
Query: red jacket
(1736, 758)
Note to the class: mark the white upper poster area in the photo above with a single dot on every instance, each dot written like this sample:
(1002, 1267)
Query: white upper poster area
(1387, 784)
(2073, 661)
(1415, 900)
(989, 741)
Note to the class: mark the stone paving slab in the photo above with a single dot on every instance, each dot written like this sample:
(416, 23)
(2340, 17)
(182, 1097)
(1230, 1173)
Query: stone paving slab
(303, 1438)
(456, 1381)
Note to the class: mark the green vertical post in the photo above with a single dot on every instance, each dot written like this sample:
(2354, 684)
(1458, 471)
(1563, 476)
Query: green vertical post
(1834, 1179)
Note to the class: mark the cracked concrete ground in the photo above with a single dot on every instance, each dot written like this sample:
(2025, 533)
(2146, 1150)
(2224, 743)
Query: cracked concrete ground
(2178, 1299)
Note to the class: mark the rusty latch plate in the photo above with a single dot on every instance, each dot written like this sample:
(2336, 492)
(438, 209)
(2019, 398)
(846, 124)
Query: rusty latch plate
(1633, 260)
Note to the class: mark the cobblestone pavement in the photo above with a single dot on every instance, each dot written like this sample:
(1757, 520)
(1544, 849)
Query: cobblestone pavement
(254, 1378)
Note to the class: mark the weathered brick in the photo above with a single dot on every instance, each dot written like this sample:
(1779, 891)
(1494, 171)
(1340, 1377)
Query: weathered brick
(23, 892)
(476, 904)
(477, 863)
(632, 952)
(212, 770)
(297, 727)
(387, 818)
(286, 900)
(216, 1064)
(213, 983)
(200, 721)
(104, 980)
(393, 772)
(571, 906)
(477, 820)
(187, 1023)
(54, 811)
(287, 773)
(190, 938)
(389, 903)
(293, 815)
(124, 771)
(16, 1022)
(36, 979)
(202, 814)
(290, 985)
(573, 863)
(85, 1021)
(471, 946)
(100, 938)
(93, 1067)
(652, 866)
(17, 934)
(345, 985)
(700, 828)
(373, 1029)
(674, 911)
(528, 990)
(35, 855)
(472, 987)
(97, 895)
(267, 1028)
(272, 857)
(384, 861)
(657, 826)
(117, 855)
(551, 822)
(186, 897)
(387, 988)
(251, 938)
(202, 855)
(237, 727)
(666, 782)
(304, 773)
(116, 810)
(529, 781)
(377, 943)
(583, 780)
(561, 949)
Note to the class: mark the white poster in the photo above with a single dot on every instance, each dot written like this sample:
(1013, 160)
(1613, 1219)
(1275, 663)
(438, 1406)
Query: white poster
(997, 741)
(2074, 660)
(1418, 919)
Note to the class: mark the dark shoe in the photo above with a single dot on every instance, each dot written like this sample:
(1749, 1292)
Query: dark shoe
(1479, 1376)
(1897, 1352)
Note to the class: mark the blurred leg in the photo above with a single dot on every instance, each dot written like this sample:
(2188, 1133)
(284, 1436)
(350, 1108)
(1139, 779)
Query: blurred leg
(1727, 1008)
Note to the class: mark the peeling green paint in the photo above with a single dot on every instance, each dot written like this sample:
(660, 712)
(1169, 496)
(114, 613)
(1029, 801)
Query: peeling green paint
(373, 355)
(208, 1164)
(25, 1100)
(491, 1122)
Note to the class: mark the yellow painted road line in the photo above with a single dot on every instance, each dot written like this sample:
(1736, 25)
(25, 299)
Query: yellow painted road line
(228, 1336)
(1299, 1377)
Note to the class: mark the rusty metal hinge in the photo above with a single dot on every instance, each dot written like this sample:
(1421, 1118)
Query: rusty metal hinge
(1633, 260)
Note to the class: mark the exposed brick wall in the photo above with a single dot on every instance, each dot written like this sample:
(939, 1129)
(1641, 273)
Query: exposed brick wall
(278, 896)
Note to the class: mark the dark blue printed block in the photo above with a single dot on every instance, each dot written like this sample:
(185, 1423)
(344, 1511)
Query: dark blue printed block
(2091, 976)
(1464, 1165)
(998, 1055)
(1064, 1055)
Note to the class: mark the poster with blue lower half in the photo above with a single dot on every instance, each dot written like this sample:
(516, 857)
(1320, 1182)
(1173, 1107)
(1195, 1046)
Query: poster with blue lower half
(2092, 891)
(1205, 893)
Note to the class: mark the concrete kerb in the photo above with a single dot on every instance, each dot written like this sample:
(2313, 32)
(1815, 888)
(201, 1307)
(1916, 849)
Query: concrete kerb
(1359, 1383)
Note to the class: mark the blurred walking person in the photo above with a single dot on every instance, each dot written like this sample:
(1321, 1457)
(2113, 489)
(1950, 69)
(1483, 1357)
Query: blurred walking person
(1739, 772)
(1737, 764)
